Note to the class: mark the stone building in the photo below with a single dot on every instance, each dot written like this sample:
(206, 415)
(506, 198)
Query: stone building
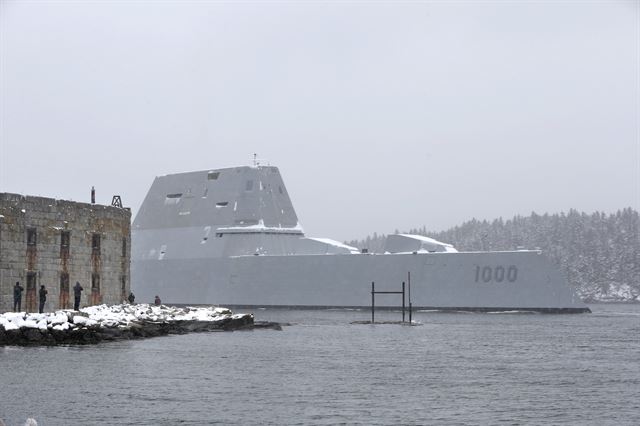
(57, 243)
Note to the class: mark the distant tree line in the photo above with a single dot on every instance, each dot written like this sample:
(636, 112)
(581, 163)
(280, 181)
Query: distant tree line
(598, 253)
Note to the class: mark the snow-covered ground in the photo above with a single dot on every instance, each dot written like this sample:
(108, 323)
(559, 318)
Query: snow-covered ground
(112, 316)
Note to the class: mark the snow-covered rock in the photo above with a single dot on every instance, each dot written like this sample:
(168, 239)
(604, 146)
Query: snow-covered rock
(96, 323)
(80, 320)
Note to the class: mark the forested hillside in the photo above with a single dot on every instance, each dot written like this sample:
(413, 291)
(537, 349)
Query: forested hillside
(598, 253)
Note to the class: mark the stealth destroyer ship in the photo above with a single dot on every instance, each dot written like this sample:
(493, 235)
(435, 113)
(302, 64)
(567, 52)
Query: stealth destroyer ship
(231, 237)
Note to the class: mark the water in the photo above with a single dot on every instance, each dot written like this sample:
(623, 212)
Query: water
(455, 369)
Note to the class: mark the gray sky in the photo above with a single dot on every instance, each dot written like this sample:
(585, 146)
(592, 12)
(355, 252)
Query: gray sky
(380, 115)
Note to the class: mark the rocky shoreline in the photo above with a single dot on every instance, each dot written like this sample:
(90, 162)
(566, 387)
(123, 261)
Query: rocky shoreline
(101, 323)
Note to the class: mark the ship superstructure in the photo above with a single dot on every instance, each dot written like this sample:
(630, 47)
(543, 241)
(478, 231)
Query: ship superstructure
(231, 237)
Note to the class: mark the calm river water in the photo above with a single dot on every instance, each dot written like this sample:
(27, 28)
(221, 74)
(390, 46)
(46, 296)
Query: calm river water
(454, 369)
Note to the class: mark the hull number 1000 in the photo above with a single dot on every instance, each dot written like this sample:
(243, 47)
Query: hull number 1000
(496, 274)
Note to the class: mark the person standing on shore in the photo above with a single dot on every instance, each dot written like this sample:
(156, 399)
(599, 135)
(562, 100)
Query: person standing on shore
(157, 301)
(131, 298)
(43, 298)
(17, 297)
(77, 294)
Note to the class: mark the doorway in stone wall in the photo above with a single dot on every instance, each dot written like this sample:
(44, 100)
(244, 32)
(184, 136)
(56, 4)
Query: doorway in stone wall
(96, 297)
(32, 281)
(64, 291)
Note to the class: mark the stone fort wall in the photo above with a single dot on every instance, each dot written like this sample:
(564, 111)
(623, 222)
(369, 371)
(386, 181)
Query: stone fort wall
(57, 243)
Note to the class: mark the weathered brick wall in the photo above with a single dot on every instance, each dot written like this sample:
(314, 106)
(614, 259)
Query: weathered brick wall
(49, 260)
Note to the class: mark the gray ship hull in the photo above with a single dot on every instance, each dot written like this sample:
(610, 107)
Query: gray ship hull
(447, 281)
(231, 237)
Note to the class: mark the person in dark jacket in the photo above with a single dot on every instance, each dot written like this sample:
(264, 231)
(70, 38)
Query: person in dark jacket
(43, 298)
(77, 293)
(17, 297)
(131, 297)
(157, 301)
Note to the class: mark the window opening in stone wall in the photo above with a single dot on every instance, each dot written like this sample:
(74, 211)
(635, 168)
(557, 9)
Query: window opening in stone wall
(95, 282)
(65, 242)
(213, 175)
(249, 186)
(123, 287)
(32, 236)
(95, 243)
(124, 247)
(31, 280)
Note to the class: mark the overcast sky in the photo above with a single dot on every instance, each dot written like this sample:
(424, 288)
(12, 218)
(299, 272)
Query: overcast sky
(379, 115)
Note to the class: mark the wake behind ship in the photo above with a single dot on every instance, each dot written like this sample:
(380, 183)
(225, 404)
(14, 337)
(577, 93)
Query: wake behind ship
(231, 237)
